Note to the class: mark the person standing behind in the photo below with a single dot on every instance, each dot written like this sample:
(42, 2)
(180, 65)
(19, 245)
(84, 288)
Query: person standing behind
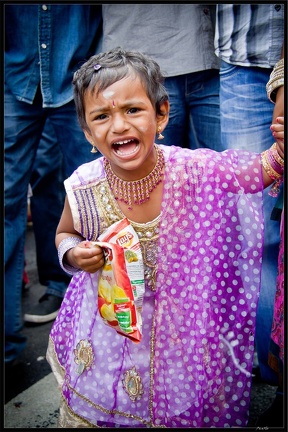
(46, 205)
(181, 38)
(274, 415)
(44, 45)
(248, 40)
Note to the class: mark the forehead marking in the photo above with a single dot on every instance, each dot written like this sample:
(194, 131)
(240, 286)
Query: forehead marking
(108, 94)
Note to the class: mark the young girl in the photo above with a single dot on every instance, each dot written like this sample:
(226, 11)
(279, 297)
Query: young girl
(201, 233)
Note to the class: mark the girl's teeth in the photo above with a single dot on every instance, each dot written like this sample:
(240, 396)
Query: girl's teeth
(123, 142)
(126, 153)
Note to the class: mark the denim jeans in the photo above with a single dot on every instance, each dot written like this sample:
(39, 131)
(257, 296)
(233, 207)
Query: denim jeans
(246, 116)
(194, 119)
(47, 204)
(24, 124)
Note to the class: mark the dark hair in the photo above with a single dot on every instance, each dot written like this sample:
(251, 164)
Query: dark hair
(104, 69)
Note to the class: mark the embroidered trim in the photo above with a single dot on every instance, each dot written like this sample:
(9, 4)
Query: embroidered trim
(132, 384)
(84, 356)
(152, 367)
(107, 411)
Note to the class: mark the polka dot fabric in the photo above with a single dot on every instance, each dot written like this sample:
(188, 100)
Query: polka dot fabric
(209, 262)
(197, 372)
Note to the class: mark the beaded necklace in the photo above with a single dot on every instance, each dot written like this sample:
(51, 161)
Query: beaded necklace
(136, 191)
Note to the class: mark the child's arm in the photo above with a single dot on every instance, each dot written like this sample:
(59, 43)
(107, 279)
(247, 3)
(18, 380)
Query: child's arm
(78, 253)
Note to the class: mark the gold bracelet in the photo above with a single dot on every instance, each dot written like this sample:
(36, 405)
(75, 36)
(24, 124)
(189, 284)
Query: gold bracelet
(267, 167)
(276, 155)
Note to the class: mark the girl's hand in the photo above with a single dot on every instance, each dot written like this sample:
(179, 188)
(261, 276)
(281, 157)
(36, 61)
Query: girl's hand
(85, 257)
(278, 133)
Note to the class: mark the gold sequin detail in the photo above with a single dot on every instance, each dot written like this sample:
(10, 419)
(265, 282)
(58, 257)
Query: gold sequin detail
(132, 384)
(83, 355)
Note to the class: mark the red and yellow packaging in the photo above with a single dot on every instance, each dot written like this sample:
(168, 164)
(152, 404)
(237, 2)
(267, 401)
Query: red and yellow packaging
(121, 281)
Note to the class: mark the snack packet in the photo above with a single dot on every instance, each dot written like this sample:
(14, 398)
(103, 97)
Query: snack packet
(121, 281)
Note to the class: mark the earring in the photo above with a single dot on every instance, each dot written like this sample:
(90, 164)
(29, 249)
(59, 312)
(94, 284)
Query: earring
(94, 148)
(160, 136)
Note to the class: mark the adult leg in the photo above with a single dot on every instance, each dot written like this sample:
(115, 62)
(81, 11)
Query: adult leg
(176, 131)
(202, 98)
(246, 115)
(23, 125)
(63, 148)
(47, 203)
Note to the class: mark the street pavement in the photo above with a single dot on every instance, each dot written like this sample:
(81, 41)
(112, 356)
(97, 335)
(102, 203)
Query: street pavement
(31, 394)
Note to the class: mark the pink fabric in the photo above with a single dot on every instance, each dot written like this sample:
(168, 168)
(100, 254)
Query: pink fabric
(209, 265)
(277, 333)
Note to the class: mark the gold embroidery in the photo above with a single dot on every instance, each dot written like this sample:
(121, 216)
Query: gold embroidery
(83, 355)
(132, 384)
(152, 351)
(107, 411)
(148, 233)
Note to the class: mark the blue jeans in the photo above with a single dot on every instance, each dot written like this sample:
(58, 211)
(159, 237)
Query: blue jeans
(24, 124)
(246, 116)
(194, 119)
(46, 208)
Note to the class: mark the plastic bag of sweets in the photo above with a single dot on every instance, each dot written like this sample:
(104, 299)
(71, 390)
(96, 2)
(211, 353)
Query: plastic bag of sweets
(121, 281)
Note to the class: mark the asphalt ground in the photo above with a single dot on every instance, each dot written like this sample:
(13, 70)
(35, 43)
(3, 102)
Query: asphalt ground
(31, 397)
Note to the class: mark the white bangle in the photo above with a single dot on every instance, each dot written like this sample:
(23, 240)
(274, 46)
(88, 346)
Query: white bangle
(64, 246)
(272, 88)
(276, 80)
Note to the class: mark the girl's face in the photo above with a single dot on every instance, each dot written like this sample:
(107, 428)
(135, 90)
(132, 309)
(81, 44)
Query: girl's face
(122, 124)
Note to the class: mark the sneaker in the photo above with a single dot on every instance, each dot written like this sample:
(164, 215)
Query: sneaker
(46, 310)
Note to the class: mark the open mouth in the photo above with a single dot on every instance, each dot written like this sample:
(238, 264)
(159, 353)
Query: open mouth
(126, 148)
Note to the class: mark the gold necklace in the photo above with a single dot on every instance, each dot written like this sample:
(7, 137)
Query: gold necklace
(135, 191)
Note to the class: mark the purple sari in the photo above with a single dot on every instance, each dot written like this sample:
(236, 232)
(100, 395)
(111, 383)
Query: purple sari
(193, 366)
